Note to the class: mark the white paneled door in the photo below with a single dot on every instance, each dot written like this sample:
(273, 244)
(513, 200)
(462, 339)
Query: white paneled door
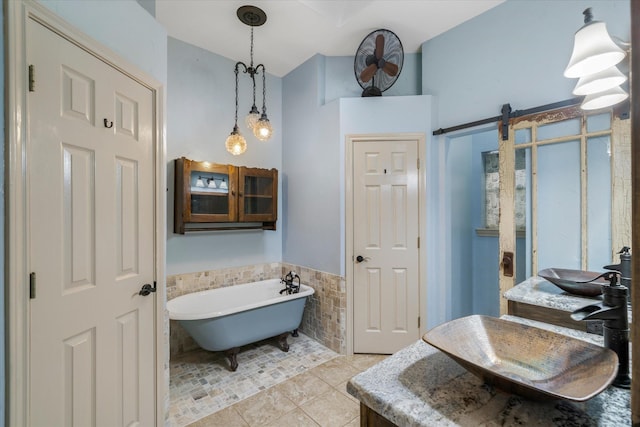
(386, 245)
(91, 243)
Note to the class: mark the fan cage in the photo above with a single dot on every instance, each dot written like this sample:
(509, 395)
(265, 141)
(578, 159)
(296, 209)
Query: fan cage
(393, 52)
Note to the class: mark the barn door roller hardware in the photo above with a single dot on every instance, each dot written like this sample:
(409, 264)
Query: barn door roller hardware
(507, 113)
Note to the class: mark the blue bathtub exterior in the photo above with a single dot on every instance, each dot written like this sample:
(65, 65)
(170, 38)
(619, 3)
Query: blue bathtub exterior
(246, 327)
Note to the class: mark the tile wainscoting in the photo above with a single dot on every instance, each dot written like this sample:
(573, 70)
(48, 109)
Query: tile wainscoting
(324, 317)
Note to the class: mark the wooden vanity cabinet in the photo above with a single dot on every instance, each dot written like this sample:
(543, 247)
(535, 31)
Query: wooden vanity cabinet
(210, 196)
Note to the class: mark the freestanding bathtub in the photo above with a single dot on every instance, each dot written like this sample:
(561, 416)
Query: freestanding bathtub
(225, 319)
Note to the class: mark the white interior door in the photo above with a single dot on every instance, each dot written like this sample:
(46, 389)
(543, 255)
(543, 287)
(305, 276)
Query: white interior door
(91, 243)
(386, 236)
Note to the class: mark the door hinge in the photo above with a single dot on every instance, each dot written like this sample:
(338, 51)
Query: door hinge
(32, 79)
(32, 285)
(418, 322)
(418, 242)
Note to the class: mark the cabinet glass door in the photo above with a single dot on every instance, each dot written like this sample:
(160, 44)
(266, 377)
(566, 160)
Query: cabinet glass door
(258, 198)
(209, 193)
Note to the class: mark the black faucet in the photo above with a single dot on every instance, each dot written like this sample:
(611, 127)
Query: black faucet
(613, 312)
(624, 267)
(290, 287)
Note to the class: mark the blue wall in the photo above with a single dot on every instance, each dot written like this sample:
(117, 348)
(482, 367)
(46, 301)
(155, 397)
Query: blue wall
(515, 53)
(474, 259)
(458, 168)
(200, 116)
(313, 151)
(484, 248)
(123, 26)
(311, 167)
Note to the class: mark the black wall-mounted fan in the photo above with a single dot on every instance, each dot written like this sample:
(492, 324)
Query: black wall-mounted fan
(378, 62)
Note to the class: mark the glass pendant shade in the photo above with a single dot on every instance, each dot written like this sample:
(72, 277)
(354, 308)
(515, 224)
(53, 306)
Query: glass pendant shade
(263, 130)
(199, 182)
(236, 144)
(593, 51)
(604, 99)
(599, 82)
(252, 118)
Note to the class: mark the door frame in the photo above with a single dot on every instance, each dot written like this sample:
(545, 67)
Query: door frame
(17, 209)
(350, 140)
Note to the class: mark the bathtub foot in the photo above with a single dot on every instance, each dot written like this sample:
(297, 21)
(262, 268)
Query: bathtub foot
(282, 342)
(231, 355)
(294, 333)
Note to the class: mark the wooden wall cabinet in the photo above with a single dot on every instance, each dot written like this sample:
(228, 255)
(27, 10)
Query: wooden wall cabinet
(210, 196)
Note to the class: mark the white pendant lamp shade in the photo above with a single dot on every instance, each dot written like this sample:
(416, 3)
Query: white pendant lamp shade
(599, 82)
(604, 99)
(593, 51)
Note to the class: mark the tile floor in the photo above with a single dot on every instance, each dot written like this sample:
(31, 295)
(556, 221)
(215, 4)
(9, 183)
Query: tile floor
(305, 386)
(317, 397)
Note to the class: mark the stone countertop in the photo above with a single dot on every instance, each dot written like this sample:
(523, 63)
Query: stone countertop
(421, 386)
(537, 291)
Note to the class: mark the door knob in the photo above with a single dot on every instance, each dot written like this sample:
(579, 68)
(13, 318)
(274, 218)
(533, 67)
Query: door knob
(147, 289)
(360, 258)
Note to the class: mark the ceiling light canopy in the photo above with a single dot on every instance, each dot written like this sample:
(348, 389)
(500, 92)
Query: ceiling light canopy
(257, 122)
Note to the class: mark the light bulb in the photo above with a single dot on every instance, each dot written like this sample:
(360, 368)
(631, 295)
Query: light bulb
(236, 144)
(263, 129)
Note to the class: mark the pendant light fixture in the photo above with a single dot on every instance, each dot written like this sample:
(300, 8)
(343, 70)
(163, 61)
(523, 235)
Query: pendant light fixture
(236, 144)
(257, 122)
(594, 59)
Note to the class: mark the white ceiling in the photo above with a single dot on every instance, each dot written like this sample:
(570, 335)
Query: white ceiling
(298, 29)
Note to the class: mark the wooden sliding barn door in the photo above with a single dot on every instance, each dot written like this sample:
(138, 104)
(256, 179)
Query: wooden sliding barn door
(565, 191)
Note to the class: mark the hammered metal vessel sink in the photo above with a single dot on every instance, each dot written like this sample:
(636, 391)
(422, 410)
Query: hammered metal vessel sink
(525, 360)
(568, 281)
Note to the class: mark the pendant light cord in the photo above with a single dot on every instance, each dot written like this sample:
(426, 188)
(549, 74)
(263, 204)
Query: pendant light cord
(253, 79)
(235, 128)
(264, 91)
